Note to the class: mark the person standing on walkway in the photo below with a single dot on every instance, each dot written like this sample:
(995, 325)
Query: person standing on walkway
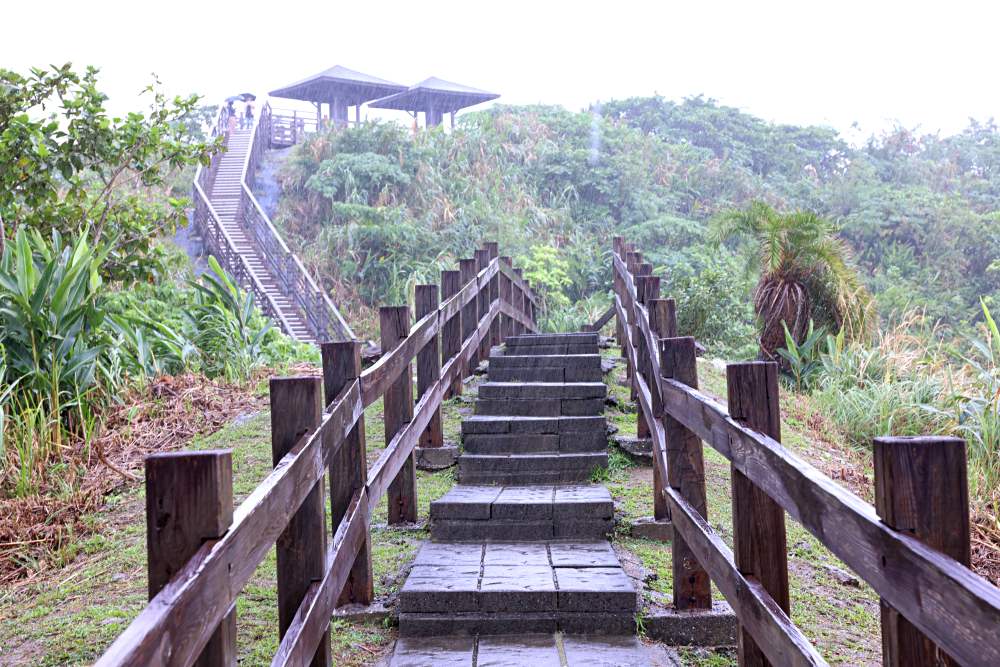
(248, 115)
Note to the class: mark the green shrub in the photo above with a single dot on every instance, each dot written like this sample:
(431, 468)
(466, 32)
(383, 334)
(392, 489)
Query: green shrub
(52, 311)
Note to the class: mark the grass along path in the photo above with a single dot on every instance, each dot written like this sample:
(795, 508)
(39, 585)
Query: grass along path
(841, 619)
(69, 616)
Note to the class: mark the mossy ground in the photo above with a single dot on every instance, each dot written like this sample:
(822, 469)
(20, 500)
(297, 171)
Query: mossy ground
(69, 616)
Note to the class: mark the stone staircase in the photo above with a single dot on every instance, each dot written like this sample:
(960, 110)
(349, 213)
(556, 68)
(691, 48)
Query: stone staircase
(226, 197)
(519, 570)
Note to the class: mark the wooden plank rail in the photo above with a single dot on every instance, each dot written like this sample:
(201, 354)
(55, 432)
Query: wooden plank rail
(908, 556)
(195, 592)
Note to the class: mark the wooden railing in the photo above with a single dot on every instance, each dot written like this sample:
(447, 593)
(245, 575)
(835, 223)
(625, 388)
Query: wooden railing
(324, 320)
(912, 548)
(288, 128)
(202, 553)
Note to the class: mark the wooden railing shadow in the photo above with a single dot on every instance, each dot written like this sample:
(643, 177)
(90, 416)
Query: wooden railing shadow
(201, 553)
(913, 547)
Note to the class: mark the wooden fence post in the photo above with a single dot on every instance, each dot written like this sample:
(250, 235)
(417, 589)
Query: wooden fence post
(647, 289)
(663, 323)
(633, 323)
(349, 466)
(482, 261)
(618, 249)
(493, 250)
(394, 326)
(631, 263)
(428, 363)
(922, 489)
(686, 471)
(759, 542)
(296, 409)
(189, 499)
(529, 305)
(451, 330)
(506, 296)
(521, 301)
(470, 314)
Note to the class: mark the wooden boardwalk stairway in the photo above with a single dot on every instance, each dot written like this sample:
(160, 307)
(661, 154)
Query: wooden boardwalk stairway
(227, 197)
(519, 570)
(241, 237)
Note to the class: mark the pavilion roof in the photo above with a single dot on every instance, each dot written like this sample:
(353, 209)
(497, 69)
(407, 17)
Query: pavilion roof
(434, 93)
(340, 83)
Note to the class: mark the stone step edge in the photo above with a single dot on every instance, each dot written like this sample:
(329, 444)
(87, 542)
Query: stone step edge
(485, 623)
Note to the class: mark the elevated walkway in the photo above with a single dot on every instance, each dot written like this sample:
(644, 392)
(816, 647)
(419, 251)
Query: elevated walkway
(241, 237)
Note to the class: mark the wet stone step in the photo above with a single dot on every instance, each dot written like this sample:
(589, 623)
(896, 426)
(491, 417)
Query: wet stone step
(481, 585)
(582, 361)
(533, 390)
(551, 350)
(534, 650)
(494, 513)
(527, 374)
(580, 337)
(541, 399)
(540, 407)
(530, 469)
(490, 434)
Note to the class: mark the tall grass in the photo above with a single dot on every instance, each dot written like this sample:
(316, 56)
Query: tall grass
(913, 381)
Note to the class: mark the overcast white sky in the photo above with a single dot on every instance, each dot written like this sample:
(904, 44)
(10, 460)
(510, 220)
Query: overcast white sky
(931, 64)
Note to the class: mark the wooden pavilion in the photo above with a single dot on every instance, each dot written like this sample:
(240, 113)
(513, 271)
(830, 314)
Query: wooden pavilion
(435, 97)
(340, 88)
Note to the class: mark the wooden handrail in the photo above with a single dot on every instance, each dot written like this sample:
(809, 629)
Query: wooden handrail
(180, 619)
(325, 319)
(944, 599)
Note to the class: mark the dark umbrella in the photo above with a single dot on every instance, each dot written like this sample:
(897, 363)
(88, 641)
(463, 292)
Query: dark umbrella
(247, 97)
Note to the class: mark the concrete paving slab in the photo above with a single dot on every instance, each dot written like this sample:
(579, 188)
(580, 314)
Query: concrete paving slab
(433, 651)
(584, 651)
(533, 650)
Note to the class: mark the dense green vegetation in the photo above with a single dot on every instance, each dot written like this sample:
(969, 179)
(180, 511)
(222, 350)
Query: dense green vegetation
(879, 259)
(94, 302)
(391, 209)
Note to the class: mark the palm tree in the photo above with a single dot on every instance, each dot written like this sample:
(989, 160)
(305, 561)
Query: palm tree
(806, 274)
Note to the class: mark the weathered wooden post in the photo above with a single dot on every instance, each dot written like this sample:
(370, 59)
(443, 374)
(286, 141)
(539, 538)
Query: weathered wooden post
(506, 296)
(482, 261)
(451, 330)
(663, 324)
(618, 248)
(394, 327)
(631, 263)
(759, 542)
(470, 313)
(921, 489)
(647, 289)
(686, 471)
(189, 500)
(349, 466)
(428, 363)
(639, 271)
(523, 301)
(493, 250)
(296, 409)
(531, 311)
